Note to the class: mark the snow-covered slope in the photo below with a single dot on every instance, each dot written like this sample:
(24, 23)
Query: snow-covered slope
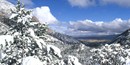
(32, 43)
(117, 53)
(25, 41)
(5, 7)
(123, 38)
(65, 38)
(72, 48)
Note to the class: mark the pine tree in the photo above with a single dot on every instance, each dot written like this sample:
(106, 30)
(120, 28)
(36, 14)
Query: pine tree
(21, 18)
(28, 41)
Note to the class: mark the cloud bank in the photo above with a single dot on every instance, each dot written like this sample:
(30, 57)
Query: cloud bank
(88, 27)
(86, 3)
(44, 15)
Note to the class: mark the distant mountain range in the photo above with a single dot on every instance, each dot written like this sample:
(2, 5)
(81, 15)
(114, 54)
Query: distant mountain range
(67, 44)
(98, 37)
(65, 38)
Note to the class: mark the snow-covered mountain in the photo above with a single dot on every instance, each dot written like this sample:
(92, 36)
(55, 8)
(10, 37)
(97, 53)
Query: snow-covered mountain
(123, 38)
(25, 41)
(5, 7)
(65, 38)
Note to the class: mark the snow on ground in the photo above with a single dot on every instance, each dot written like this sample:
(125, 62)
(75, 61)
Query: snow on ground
(120, 54)
(6, 39)
(72, 60)
(13, 15)
(31, 61)
(55, 50)
(128, 61)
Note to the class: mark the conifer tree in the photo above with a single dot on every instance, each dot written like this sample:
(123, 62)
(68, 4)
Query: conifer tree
(28, 41)
(21, 18)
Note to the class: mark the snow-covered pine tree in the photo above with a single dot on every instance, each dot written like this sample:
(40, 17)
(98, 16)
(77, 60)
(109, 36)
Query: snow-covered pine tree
(24, 43)
(21, 18)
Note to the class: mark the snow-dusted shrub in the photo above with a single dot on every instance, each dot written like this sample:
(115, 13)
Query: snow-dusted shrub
(72, 60)
(113, 54)
(4, 39)
(54, 50)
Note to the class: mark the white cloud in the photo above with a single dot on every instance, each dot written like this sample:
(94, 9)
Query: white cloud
(81, 3)
(118, 2)
(86, 3)
(44, 15)
(27, 2)
(88, 27)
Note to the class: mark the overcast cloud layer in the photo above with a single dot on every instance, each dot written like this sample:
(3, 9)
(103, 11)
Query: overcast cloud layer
(86, 3)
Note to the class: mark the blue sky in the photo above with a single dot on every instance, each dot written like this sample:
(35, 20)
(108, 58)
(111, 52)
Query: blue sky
(83, 17)
(64, 11)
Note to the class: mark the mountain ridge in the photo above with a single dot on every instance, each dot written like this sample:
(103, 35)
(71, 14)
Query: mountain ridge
(38, 36)
(24, 39)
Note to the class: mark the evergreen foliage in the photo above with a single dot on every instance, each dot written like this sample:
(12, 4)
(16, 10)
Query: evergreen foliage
(25, 41)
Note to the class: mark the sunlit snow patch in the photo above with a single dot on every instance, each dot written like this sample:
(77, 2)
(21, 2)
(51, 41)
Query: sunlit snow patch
(31, 61)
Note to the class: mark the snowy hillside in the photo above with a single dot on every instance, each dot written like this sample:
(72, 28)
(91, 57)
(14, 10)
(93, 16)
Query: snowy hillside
(117, 53)
(65, 38)
(25, 41)
(5, 7)
(123, 38)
